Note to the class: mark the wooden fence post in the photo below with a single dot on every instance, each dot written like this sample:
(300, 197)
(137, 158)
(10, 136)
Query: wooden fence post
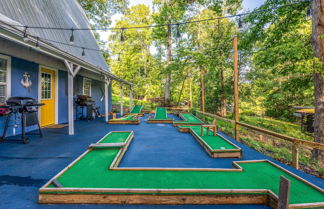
(295, 156)
(284, 193)
(236, 93)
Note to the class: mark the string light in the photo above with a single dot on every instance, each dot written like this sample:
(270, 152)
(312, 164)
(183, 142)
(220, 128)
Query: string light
(178, 31)
(72, 37)
(83, 52)
(240, 24)
(122, 38)
(25, 38)
(308, 13)
(37, 43)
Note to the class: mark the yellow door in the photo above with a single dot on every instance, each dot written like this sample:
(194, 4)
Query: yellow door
(47, 82)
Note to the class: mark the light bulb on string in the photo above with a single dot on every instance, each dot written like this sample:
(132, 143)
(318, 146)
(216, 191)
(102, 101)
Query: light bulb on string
(72, 37)
(25, 38)
(240, 24)
(37, 43)
(308, 13)
(122, 38)
(83, 52)
(178, 31)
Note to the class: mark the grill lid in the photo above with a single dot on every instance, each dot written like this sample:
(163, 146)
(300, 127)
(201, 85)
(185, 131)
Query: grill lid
(12, 101)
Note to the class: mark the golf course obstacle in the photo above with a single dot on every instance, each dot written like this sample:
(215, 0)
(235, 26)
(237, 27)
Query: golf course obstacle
(137, 110)
(215, 145)
(94, 177)
(187, 120)
(126, 120)
(161, 116)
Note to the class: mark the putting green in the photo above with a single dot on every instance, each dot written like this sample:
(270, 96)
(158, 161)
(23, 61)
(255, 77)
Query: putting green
(214, 142)
(188, 118)
(91, 171)
(137, 109)
(127, 117)
(160, 113)
(115, 137)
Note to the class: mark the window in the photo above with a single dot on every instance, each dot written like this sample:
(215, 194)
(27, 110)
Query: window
(46, 85)
(87, 86)
(4, 78)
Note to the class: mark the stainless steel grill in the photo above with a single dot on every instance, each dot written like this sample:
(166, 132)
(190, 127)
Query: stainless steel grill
(25, 109)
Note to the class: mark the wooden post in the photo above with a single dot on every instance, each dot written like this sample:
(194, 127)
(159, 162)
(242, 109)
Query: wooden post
(236, 93)
(202, 75)
(71, 74)
(131, 99)
(284, 192)
(295, 156)
(107, 82)
(121, 99)
(70, 104)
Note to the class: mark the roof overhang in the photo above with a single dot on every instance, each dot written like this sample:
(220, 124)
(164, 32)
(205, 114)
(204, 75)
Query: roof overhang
(16, 35)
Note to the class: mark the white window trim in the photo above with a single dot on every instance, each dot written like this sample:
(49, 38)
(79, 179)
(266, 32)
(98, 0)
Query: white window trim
(84, 79)
(8, 81)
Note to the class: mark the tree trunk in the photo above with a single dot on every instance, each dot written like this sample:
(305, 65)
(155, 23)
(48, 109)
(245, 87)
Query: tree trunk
(190, 89)
(318, 46)
(202, 90)
(168, 77)
(223, 98)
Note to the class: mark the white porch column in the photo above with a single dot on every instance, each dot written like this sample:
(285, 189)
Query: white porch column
(121, 99)
(71, 74)
(107, 82)
(131, 98)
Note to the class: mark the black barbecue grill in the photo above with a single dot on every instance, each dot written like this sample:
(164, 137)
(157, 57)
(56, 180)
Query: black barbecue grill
(26, 109)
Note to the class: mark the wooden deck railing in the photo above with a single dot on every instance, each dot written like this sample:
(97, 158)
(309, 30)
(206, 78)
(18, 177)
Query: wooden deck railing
(297, 143)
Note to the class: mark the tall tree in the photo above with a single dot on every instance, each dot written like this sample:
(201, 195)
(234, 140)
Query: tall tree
(318, 45)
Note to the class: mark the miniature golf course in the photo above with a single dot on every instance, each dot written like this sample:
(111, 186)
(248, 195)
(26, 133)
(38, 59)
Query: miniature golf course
(95, 177)
(128, 119)
(187, 119)
(216, 146)
(160, 116)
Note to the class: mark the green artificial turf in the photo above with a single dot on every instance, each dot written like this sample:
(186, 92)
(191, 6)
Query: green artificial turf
(91, 171)
(215, 142)
(160, 113)
(116, 137)
(127, 117)
(189, 118)
(137, 109)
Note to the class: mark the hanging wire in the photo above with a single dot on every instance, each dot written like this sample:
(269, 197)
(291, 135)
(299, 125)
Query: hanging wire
(161, 25)
(122, 38)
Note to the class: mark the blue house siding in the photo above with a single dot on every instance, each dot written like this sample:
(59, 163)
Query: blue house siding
(62, 97)
(97, 92)
(20, 66)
